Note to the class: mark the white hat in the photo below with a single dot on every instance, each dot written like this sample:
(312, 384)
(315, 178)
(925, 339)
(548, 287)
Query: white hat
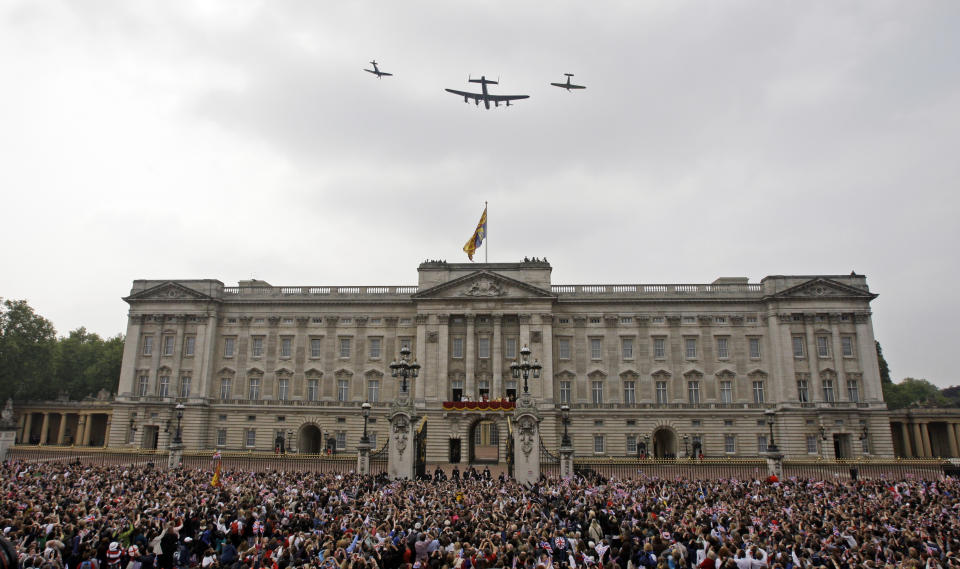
(114, 546)
(187, 539)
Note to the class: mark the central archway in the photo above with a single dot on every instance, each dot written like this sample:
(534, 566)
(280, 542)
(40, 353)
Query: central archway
(310, 439)
(664, 443)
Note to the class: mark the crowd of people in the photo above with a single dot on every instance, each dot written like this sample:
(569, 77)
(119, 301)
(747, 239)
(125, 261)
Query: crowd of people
(94, 517)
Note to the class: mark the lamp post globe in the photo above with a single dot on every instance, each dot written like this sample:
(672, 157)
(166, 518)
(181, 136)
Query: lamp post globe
(365, 411)
(565, 418)
(525, 369)
(771, 416)
(177, 438)
(404, 369)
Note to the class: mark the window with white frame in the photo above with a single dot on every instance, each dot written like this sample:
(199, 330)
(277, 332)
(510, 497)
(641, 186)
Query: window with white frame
(256, 349)
(510, 348)
(341, 440)
(343, 389)
(758, 392)
(148, 345)
(315, 348)
(754, 348)
(846, 346)
(221, 437)
(565, 391)
(659, 348)
(631, 444)
(726, 391)
(456, 389)
(823, 346)
(251, 438)
(691, 348)
(811, 444)
(254, 391)
(345, 347)
(483, 347)
(798, 350)
(225, 384)
(144, 386)
(761, 443)
(373, 390)
(286, 347)
(483, 389)
(626, 348)
(723, 351)
(596, 348)
(803, 391)
(729, 444)
(597, 391)
(563, 348)
(661, 392)
(456, 349)
(693, 392)
(283, 388)
(374, 347)
(598, 444)
(185, 385)
(229, 344)
(163, 386)
(168, 345)
(828, 394)
(189, 345)
(629, 392)
(406, 343)
(313, 389)
(853, 390)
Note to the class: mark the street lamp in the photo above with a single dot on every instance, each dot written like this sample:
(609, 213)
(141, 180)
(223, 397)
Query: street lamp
(864, 439)
(565, 419)
(524, 367)
(177, 436)
(686, 441)
(404, 369)
(365, 411)
(771, 419)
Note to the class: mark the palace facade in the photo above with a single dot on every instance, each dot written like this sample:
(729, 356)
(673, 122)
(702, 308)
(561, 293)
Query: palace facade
(662, 369)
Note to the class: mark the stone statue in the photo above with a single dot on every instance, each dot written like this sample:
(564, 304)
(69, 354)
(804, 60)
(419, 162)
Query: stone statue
(6, 416)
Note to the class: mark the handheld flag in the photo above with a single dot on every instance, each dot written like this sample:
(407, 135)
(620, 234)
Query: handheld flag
(478, 236)
(216, 471)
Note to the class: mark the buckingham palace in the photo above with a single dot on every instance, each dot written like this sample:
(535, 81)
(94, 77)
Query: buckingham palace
(660, 370)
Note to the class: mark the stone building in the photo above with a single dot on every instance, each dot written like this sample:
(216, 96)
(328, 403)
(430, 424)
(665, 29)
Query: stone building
(666, 369)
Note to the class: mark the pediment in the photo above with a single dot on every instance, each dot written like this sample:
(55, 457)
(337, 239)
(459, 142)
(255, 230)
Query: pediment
(168, 291)
(629, 373)
(565, 374)
(483, 285)
(824, 288)
(226, 370)
(597, 374)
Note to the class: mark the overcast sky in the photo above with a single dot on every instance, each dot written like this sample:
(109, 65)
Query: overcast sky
(242, 139)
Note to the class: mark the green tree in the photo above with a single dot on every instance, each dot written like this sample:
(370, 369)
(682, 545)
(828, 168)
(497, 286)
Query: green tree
(86, 363)
(913, 392)
(28, 346)
(884, 368)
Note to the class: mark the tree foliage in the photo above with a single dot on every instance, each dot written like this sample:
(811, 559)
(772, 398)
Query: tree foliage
(913, 392)
(884, 368)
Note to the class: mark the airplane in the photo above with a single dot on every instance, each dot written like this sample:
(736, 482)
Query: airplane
(376, 71)
(485, 96)
(567, 85)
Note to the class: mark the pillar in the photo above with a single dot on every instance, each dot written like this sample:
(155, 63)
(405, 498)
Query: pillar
(905, 434)
(470, 357)
(22, 425)
(63, 429)
(27, 428)
(421, 356)
(918, 440)
(106, 431)
(952, 439)
(363, 457)
(497, 389)
(546, 358)
(526, 441)
(400, 465)
(925, 436)
(44, 428)
(443, 357)
(87, 420)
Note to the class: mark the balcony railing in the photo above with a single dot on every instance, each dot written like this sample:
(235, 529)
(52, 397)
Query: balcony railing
(314, 291)
(660, 290)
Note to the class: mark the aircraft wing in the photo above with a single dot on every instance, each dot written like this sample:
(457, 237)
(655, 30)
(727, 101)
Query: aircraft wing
(506, 97)
(474, 96)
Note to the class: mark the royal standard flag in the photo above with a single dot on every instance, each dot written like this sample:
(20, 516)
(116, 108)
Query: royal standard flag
(478, 236)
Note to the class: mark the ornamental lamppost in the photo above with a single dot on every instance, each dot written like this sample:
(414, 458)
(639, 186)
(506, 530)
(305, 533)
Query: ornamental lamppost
(404, 369)
(565, 419)
(771, 419)
(524, 368)
(365, 411)
(686, 447)
(865, 439)
(177, 435)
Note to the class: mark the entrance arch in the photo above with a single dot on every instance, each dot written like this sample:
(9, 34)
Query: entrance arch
(310, 439)
(664, 443)
(485, 441)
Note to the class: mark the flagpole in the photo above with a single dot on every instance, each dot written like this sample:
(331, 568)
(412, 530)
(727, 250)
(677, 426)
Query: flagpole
(486, 248)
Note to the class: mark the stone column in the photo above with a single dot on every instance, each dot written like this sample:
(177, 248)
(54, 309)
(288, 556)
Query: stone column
(778, 351)
(566, 458)
(62, 431)
(925, 437)
(546, 358)
(918, 440)
(21, 425)
(526, 441)
(400, 465)
(106, 430)
(443, 357)
(470, 357)
(175, 458)
(810, 339)
(905, 434)
(44, 428)
(87, 427)
(775, 464)
(206, 349)
(421, 357)
(956, 430)
(363, 457)
(497, 390)
(27, 428)
(131, 349)
(867, 357)
(952, 439)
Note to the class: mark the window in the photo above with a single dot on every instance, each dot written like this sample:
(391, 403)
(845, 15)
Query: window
(185, 386)
(148, 345)
(406, 343)
(853, 390)
(626, 348)
(225, 385)
(228, 345)
(251, 438)
(163, 388)
(315, 347)
(456, 389)
(344, 347)
(316, 320)
(661, 392)
(754, 348)
(658, 319)
(691, 348)
(189, 345)
(221, 437)
(828, 395)
(751, 319)
(254, 391)
(693, 392)
(168, 345)
(811, 444)
(483, 347)
(257, 347)
(283, 388)
(803, 391)
(373, 390)
(761, 443)
(457, 348)
(726, 392)
(728, 422)
(720, 319)
(285, 347)
(629, 392)
(631, 445)
(598, 444)
(405, 321)
(597, 391)
(596, 348)
(312, 389)
(659, 348)
(798, 346)
(288, 320)
(729, 444)
(626, 319)
(375, 321)
(689, 319)
(511, 348)
(722, 351)
(823, 346)
(374, 348)
(346, 320)
(144, 385)
(758, 392)
(343, 389)
(846, 346)
(341, 440)
(565, 391)
(510, 387)
(563, 348)
(564, 320)
(594, 320)
(483, 389)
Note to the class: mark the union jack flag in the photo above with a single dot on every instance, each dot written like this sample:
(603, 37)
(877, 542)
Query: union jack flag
(258, 527)
(546, 545)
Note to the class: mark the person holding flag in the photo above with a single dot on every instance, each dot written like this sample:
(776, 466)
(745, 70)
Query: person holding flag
(215, 482)
(479, 234)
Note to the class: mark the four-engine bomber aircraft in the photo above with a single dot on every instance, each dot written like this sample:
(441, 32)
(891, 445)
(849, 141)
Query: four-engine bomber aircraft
(568, 85)
(376, 71)
(485, 96)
